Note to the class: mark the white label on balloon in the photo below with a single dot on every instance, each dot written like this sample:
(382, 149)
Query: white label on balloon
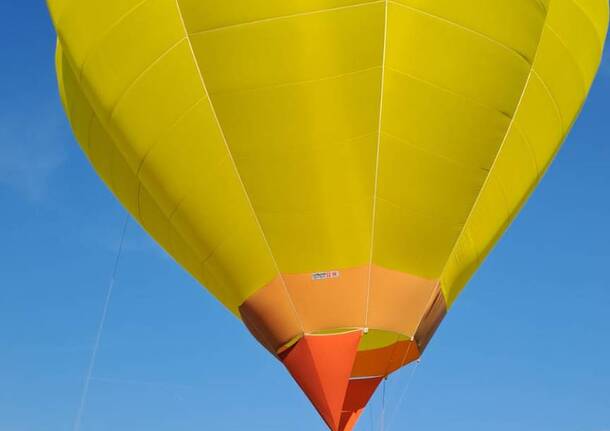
(324, 275)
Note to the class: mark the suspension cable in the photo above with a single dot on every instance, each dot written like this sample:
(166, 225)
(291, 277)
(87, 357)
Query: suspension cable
(382, 415)
(100, 329)
(405, 390)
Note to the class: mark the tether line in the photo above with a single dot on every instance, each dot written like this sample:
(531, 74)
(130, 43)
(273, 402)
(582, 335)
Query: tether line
(100, 330)
(405, 390)
(382, 415)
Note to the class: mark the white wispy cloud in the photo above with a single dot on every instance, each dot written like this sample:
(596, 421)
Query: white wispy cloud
(32, 149)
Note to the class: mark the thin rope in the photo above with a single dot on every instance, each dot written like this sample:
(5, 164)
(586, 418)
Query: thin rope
(382, 415)
(100, 330)
(405, 390)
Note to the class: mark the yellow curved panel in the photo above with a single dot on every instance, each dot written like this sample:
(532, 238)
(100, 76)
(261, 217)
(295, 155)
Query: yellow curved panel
(548, 107)
(256, 140)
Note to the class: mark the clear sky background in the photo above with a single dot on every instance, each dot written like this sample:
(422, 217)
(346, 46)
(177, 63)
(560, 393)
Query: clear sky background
(526, 347)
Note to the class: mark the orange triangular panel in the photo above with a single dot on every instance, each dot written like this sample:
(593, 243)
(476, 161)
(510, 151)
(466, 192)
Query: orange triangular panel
(359, 392)
(321, 365)
(349, 420)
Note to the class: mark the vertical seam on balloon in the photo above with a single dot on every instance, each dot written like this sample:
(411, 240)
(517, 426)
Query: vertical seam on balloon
(375, 187)
(498, 153)
(230, 154)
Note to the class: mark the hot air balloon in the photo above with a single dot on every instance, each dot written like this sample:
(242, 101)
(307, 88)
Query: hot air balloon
(332, 171)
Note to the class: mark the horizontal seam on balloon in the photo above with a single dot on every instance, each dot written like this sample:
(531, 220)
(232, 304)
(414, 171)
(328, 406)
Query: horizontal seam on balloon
(572, 57)
(466, 29)
(446, 222)
(159, 140)
(168, 130)
(600, 38)
(139, 217)
(510, 216)
(111, 182)
(438, 220)
(350, 203)
(201, 257)
(103, 36)
(447, 90)
(292, 83)
(283, 17)
(337, 142)
(507, 206)
(410, 143)
(487, 179)
(562, 131)
(310, 212)
(191, 248)
(186, 195)
(512, 210)
(141, 75)
(530, 150)
(483, 189)
(230, 154)
(140, 184)
(234, 231)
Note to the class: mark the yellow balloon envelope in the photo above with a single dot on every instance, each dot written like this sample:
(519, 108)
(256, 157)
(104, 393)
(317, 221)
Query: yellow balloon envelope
(333, 171)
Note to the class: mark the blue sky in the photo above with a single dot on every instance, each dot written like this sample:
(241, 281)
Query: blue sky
(527, 346)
